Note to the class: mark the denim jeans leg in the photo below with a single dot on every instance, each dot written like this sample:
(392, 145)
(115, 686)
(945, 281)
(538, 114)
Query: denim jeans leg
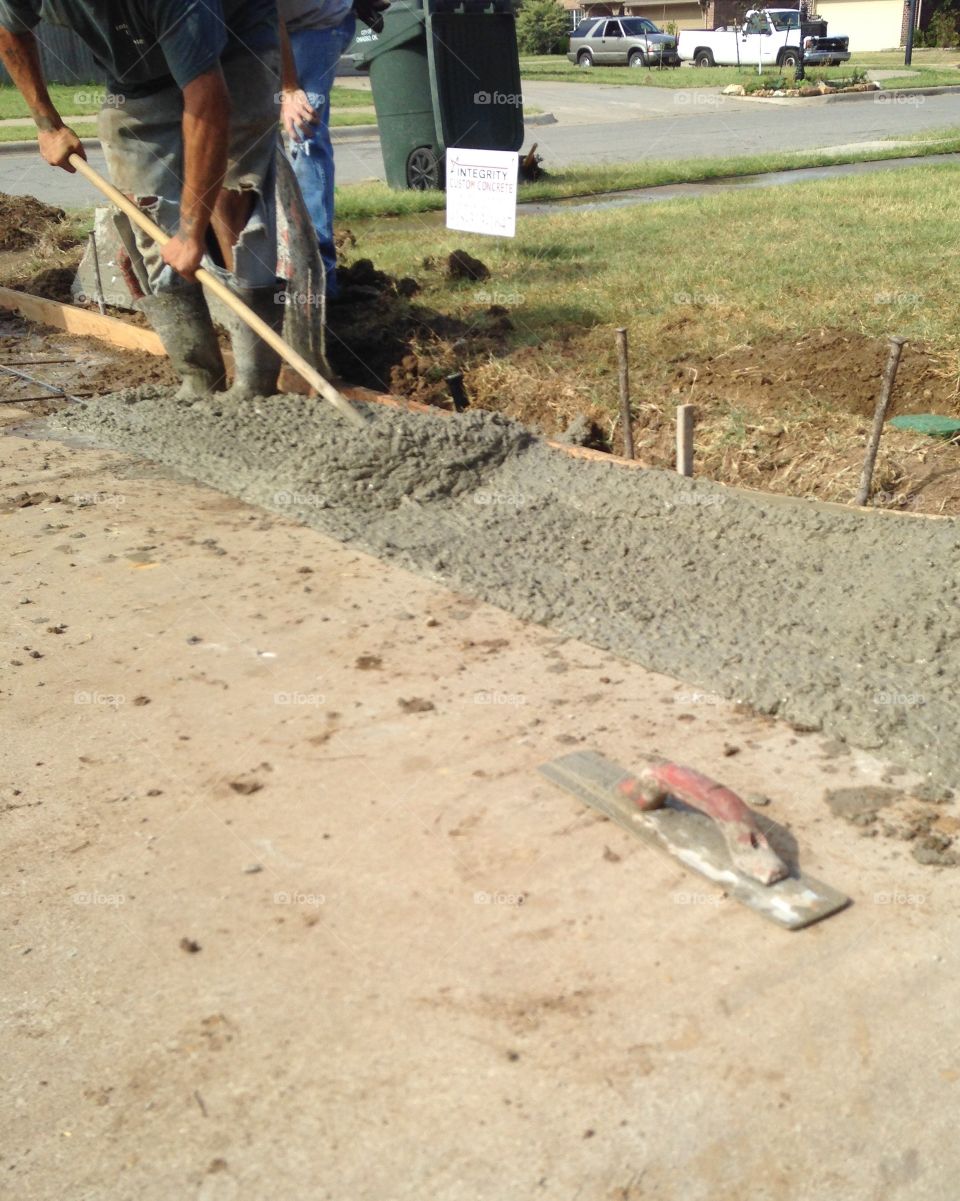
(316, 53)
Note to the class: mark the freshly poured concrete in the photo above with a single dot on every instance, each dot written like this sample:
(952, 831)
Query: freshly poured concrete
(848, 622)
(423, 971)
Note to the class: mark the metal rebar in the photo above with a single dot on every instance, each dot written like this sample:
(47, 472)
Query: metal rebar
(96, 274)
(32, 379)
(458, 393)
(879, 417)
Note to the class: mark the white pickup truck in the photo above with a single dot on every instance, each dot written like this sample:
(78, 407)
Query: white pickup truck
(768, 36)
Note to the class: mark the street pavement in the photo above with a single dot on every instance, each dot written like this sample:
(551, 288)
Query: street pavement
(599, 124)
(606, 124)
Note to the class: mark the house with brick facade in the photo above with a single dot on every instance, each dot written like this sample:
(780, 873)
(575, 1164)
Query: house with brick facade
(870, 24)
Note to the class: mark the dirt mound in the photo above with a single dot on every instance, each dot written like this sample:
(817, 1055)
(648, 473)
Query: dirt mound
(842, 365)
(380, 338)
(787, 413)
(26, 221)
(52, 282)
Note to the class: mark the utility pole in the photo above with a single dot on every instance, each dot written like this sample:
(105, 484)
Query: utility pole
(911, 22)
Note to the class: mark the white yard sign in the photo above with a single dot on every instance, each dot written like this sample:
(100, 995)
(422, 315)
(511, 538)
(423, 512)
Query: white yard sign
(482, 191)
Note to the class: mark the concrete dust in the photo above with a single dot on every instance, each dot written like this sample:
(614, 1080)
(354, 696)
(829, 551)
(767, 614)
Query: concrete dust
(841, 621)
(855, 802)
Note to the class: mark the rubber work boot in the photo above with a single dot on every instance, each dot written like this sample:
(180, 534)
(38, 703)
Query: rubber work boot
(256, 365)
(182, 321)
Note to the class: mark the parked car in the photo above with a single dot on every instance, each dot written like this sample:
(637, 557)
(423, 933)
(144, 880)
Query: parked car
(622, 41)
(768, 36)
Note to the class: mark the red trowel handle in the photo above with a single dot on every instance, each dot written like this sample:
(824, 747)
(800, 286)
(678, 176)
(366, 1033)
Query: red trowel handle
(749, 849)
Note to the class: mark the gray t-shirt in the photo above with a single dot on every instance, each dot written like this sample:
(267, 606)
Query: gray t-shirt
(143, 45)
(301, 15)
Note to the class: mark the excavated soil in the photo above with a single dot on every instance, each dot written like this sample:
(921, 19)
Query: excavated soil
(845, 621)
(25, 221)
(842, 365)
(81, 366)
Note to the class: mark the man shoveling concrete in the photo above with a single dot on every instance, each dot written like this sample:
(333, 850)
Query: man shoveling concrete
(189, 130)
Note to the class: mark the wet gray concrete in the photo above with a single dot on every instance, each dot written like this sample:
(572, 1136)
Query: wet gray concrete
(847, 621)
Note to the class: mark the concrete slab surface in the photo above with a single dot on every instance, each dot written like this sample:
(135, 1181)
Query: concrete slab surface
(288, 911)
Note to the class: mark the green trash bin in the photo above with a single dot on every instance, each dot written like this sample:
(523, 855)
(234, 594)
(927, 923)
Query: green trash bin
(443, 73)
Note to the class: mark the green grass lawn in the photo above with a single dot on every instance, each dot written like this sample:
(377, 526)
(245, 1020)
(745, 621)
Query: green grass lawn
(868, 257)
(357, 202)
(829, 248)
(75, 99)
(928, 79)
(69, 99)
(935, 68)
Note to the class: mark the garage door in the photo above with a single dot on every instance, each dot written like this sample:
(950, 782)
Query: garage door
(687, 16)
(869, 24)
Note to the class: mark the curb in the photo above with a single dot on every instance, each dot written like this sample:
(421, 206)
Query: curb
(347, 133)
(893, 94)
(20, 147)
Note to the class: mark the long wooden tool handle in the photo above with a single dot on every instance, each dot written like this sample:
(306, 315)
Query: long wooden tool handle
(244, 312)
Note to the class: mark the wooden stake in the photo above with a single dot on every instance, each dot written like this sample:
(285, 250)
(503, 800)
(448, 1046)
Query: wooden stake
(685, 439)
(96, 274)
(257, 324)
(624, 372)
(879, 417)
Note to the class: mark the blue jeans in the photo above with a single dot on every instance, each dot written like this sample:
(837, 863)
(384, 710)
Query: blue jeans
(316, 53)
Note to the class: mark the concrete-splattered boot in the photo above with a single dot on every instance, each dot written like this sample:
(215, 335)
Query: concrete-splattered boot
(182, 321)
(256, 365)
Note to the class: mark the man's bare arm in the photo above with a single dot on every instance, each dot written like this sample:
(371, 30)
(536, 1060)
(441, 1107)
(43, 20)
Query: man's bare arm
(296, 111)
(206, 125)
(56, 140)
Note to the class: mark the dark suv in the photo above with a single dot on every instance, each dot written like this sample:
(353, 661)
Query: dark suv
(622, 41)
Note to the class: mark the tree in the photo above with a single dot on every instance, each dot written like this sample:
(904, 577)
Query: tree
(542, 27)
(942, 30)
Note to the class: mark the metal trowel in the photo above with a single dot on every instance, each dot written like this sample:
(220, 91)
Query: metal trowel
(704, 826)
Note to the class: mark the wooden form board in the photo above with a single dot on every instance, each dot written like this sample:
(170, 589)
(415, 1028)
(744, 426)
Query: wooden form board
(81, 321)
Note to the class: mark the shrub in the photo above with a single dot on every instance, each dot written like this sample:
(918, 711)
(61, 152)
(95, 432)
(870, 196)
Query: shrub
(542, 27)
(942, 30)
